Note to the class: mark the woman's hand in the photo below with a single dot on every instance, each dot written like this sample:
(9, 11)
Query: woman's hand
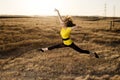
(56, 10)
(75, 27)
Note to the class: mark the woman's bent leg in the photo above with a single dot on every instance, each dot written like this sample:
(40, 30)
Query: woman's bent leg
(83, 51)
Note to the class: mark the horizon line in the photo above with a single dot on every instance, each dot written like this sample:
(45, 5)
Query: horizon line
(51, 15)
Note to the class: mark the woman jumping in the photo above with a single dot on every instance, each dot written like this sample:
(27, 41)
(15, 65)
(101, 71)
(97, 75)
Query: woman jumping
(67, 26)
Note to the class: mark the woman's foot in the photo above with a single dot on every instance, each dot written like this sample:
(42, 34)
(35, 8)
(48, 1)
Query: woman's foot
(94, 54)
(42, 49)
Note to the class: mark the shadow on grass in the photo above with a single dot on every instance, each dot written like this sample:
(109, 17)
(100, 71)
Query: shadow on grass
(17, 52)
(20, 50)
(106, 30)
(110, 43)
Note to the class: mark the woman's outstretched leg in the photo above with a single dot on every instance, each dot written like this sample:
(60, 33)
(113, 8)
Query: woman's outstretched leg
(52, 47)
(56, 46)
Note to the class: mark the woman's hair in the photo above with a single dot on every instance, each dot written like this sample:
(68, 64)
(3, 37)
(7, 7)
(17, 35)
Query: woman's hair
(68, 21)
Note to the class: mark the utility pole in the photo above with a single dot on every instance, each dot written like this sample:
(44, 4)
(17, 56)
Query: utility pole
(105, 10)
(112, 23)
(114, 11)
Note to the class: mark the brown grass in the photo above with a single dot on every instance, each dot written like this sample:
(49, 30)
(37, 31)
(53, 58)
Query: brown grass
(19, 59)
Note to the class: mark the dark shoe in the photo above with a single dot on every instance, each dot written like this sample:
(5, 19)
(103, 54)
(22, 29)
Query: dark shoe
(94, 54)
(40, 49)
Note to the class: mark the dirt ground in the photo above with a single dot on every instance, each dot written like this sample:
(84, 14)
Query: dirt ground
(21, 37)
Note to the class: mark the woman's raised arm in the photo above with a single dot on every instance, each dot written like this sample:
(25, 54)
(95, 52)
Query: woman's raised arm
(59, 16)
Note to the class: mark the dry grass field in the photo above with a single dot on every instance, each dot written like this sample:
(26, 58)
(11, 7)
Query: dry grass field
(21, 37)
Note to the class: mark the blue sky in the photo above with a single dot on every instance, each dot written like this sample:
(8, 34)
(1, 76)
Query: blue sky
(66, 7)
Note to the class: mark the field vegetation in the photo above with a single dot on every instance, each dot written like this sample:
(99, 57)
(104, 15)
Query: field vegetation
(20, 37)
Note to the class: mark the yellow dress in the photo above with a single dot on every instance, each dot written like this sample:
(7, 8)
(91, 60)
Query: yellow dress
(65, 34)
